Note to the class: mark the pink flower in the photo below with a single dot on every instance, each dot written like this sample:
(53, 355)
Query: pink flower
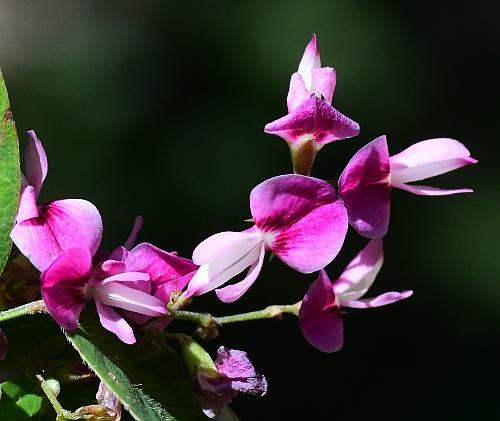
(320, 313)
(311, 78)
(365, 185)
(298, 218)
(137, 286)
(232, 373)
(42, 232)
(312, 122)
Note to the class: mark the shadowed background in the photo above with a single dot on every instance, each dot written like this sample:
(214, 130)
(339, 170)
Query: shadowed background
(158, 108)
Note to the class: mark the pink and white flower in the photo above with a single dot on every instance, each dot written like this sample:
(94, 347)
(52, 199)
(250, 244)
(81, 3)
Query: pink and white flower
(298, 218)
(42, 232)
(365, 184)
(311, 78)
(311, 121)
(320, 315)
(136, 287)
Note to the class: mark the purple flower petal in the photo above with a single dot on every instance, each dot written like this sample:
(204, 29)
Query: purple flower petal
(428, 158)
(311, 57)
(120, 254)
(313, 241)
(118, 295)
(319, 318)
(313, 120)
(234, 292)
(311, 78)
(324, 81)
(300, 220)
(28, 207)
(130, 242)
(297, 92)
(365, 188)
(136, 280)
(431, 191)
(111, 267)
(36, 162)
(107, 398)
(162, 266)
(64, 285)
(212, 402)
(234, 366)
(281, 201)
(115, 323)
(381, 300)
(360, 273)
(164, 291)
(60, 225)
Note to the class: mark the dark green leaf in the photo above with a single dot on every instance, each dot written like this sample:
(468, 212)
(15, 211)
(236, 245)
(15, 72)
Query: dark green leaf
(154, 389)
(9, 173)
(21, 399)
(34, 343)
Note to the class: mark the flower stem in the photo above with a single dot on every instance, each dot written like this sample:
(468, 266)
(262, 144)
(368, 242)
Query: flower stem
(35, 307)
(207, 320)
(61, 413)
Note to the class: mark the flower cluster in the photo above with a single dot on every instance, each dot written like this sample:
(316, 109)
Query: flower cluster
(301, 220)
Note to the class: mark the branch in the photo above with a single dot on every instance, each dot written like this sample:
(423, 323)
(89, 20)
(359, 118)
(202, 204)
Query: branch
(207, 320)
(35, 307)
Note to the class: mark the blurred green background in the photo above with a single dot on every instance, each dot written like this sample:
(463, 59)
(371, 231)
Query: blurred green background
(158, 108)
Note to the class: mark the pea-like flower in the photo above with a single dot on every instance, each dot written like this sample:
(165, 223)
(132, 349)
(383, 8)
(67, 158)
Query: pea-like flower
(311, 78)
(366, 182)
(218, 382)
(136, 287)
(320, 315)
(298, 218)
(311, 121)
(43, 231)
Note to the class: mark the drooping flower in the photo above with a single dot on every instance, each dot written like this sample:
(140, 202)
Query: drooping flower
(217, 383)
(42, 232)
(320, 316)
(298, 218)
(365, 184)
(312, 122)
(138, 286)
(106, 398)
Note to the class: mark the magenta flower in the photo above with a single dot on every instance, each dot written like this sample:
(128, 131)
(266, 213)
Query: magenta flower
(365, 185)
(311, 78)
(298, 218)
(42, 232)
(312, 122)
(320, 316)
(232, 373)
(138, 286)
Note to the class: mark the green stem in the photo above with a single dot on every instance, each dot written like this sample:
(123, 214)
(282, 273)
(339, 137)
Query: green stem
(61, 413)
(207, 320)
(271, 312)
(35, 307)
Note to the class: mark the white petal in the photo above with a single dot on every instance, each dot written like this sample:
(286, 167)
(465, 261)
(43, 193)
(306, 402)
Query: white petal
(360, 273)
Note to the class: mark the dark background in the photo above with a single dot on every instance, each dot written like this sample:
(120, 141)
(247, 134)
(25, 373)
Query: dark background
(158, 108)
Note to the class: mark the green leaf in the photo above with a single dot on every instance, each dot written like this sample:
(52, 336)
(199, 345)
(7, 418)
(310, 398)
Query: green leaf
(152, 389)
(34, 343)
(21, 399)
(9, 173)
